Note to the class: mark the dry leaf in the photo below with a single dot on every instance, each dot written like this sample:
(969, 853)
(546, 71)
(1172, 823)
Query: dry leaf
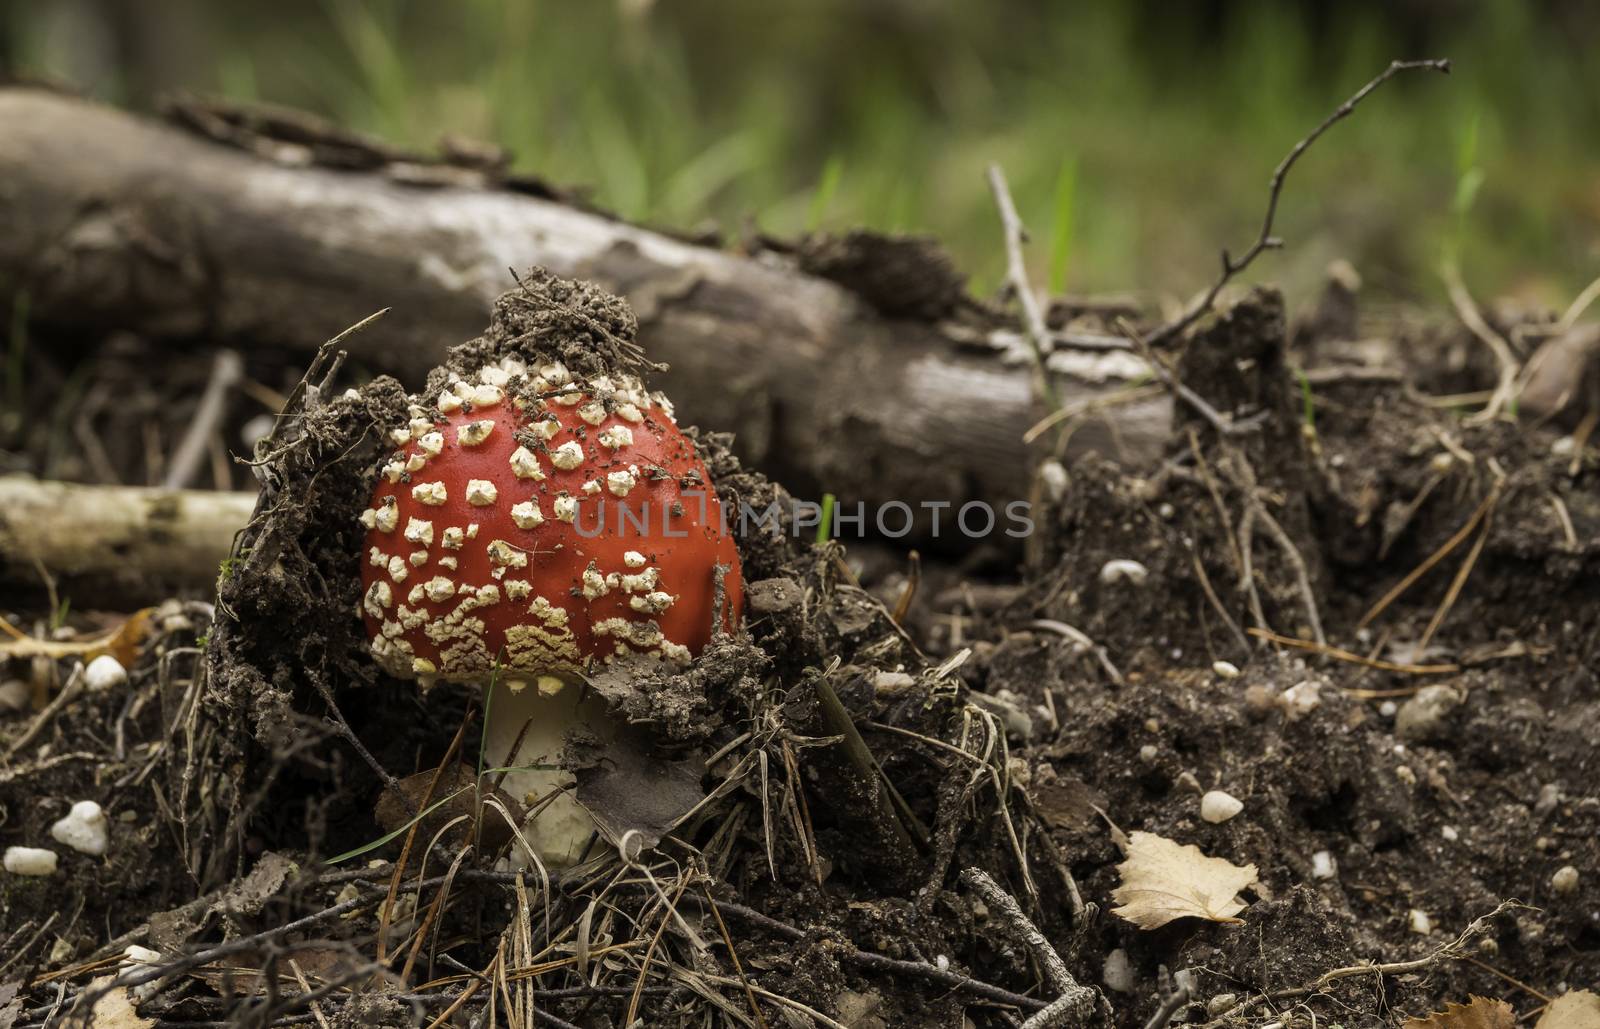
(114, 1009)
(121, 643)
(1163, 880)
(1575, 1009)
(1477, 1013)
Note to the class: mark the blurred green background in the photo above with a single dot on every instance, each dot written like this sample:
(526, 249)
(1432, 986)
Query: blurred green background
(1138, 137)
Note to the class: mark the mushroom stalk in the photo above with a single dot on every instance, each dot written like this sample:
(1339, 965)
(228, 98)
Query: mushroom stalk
(557, 829)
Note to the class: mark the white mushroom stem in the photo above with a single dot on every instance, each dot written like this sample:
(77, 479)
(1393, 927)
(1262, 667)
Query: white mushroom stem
(557, 830)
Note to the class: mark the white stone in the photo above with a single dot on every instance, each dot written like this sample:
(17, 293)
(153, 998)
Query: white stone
(104, 673)
(1565, 880)
(1123, 570)
(1117, 972)
(30, 861)
(1300, 699)
(1419, 922)
(1323, 865)
(84, 828)
(1217, 807)
(1449, 833)
(1225, 669)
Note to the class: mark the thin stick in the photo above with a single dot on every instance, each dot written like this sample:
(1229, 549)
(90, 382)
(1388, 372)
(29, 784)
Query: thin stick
(1579, 305)
(1460, 579)
(1355, 659)
(1505, 391)
(68, 694)
(1169, 1007)
(1265, 240)
(733, 955)
(1039, 340)
(1438, 555)
(1224, 424)
(1453, 949)
(227, 369)
(1074, 1002)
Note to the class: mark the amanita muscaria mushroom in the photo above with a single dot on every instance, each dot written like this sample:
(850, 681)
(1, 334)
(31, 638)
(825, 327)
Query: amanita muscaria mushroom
(529, 525)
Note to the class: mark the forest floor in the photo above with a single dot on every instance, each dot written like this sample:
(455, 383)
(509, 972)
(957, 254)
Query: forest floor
(1373, 621)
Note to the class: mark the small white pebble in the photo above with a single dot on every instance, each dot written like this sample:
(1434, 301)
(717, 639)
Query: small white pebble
(1300, 699)
(1565, 880)
(1419, 922)
(1148, 753)
(1323, 865)
(1563, 446)
(942, 963)
(1117, 972)
(1217, 807)
(30, 861)
(1388, 709)
(1121, 569)
(1225, 669)
(84, 828)
(104, 673)
(1449, 833)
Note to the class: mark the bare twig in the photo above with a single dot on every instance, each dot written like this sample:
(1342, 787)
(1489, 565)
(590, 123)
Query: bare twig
(1224, 424)
(1074, 1003)
(1454, 948)
(68, 694)
(1505, 390)
(1422, 569)
(1040, 342)
(227, 369)
(1169, 1007)
(1356, 659)
(1579, 305)
(1265, 240)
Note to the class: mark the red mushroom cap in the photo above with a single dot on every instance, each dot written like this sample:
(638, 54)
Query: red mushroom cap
(542, 529)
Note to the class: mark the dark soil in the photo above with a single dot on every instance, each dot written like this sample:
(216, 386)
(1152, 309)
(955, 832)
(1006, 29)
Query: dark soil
(1387, 805)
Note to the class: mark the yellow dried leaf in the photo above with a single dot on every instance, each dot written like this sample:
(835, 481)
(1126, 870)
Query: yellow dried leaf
(1163, 881)
(1477, 1013)
(1575, 1009)
(121, 643)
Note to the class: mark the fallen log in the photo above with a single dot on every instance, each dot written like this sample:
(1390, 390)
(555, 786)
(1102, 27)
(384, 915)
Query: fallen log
(120, 544)
(114, 220)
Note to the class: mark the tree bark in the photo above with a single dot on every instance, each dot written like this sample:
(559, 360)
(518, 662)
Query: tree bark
(119, 221)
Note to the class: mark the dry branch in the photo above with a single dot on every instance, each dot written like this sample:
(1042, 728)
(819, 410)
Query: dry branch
(126, 541)
(119, 221)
